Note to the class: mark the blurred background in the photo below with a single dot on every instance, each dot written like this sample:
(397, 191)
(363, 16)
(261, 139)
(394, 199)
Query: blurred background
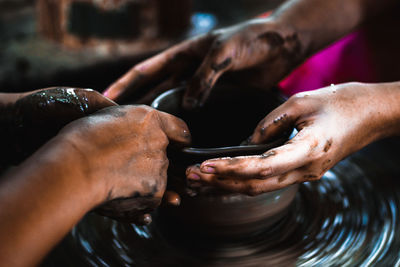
(90, 43)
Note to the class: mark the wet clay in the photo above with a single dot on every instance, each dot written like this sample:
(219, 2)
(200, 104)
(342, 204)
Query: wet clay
(218, 128)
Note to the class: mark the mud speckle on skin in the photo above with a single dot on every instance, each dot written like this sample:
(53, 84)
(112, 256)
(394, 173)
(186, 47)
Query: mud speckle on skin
(280, 119)
(282, 178)
(314, 145)
(328, 145)
(310, 177)
(66, 96)
(325, 166)
(289, 142)
(273, 38)
(293, 43)
(221, 66)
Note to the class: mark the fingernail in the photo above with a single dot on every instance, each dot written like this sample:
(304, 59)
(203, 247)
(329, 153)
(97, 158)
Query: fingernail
(193, 176)
(106, 93)
(190, 103)
(208, 169)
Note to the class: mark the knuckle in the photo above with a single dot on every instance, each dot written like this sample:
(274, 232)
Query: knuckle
(253, 190)
(142, 108)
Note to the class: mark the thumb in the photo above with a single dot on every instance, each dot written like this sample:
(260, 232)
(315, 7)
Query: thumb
(95, 100)
(280, 120)
(176, 129)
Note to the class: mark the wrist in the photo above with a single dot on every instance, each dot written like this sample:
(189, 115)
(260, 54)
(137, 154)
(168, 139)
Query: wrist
(64, 157)
(388, 109)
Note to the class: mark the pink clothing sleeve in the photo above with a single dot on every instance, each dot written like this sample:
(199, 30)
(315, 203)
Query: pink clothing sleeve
(346, 60)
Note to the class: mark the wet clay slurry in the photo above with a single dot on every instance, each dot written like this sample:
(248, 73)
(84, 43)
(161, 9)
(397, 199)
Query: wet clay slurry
(350, 217)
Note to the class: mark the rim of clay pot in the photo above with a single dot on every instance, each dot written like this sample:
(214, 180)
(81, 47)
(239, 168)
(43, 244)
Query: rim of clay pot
(224, 151)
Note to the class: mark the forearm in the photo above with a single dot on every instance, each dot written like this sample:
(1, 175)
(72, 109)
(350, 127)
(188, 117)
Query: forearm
(320, 22)
(41, 201)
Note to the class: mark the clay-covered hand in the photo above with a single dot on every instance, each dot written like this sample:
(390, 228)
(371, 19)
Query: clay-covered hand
(125, 147)
(258, 53)
(332, 123)
(33, 118)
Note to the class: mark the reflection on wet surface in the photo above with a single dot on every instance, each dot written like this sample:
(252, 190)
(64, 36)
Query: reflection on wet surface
(349, 218)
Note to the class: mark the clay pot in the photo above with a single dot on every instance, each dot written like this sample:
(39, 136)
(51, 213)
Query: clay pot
(218, 128)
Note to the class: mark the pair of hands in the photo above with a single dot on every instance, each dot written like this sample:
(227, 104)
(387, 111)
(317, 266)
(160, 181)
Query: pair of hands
(249, 49)
(123, 146)
(332, 122)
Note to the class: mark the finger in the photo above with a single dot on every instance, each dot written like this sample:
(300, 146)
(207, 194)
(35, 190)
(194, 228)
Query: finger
(171, 61)
(171, 198)
(252, 186)
(288, 157)
(296, 112)
(176, 129)
(149, 70)
(256, 187)
(95, 101)
(195, 176)
(274, 124)
(217, 61)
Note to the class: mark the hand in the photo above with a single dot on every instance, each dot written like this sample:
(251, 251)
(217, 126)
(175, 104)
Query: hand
(332, 123)
(125, 147)
(259, 53)
(37, 116)
(114, 160)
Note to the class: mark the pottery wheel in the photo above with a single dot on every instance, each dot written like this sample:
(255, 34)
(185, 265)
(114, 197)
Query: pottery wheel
(349, 218)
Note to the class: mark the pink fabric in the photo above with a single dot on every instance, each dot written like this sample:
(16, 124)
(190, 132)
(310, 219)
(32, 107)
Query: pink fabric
(346, 60)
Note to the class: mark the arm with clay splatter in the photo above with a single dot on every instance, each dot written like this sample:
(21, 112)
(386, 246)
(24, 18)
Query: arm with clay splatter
(30, 119)
(257, 52)
(318, 23)
(114, 160)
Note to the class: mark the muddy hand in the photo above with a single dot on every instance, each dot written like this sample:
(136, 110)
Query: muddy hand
(124, 148)
(332, 123)
(259, 53)
(37, 116)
